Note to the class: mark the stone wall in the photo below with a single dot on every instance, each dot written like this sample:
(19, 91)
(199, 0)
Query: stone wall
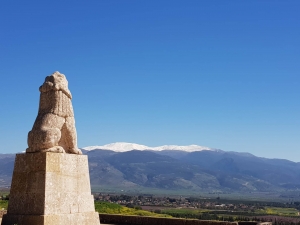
(248, 223)
(144, 220)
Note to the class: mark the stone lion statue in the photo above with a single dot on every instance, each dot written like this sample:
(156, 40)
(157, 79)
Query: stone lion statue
(54, 128)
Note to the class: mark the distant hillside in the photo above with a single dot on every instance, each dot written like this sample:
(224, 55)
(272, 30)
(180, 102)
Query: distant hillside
(205, 170)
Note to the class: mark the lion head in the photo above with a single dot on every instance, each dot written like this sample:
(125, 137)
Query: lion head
(56, 82)
(55, 96)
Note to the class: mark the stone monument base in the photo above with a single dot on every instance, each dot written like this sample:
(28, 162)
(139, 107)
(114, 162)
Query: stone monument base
(59, 219)
(51, 189)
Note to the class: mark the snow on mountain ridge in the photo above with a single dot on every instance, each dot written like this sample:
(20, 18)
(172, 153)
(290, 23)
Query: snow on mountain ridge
(124, 146)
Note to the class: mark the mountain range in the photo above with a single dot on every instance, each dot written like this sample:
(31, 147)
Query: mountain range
(124, 146)
(127, 166)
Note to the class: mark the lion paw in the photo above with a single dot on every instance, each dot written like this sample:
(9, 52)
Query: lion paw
(75, 151)
(56, 149)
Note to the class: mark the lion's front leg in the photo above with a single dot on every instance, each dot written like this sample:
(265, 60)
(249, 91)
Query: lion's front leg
(69, 136)
(45, 134)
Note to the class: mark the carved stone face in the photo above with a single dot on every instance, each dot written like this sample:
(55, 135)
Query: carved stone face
(56, 82)
(57, 78)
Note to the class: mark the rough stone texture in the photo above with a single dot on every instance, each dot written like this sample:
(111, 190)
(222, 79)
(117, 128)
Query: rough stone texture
(54, 128)
(51, 189)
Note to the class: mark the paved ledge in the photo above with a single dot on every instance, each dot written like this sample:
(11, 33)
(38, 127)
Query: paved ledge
(144, 220)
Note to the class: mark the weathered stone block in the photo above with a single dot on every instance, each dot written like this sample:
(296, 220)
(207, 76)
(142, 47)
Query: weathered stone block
(35, 183)
(86, 203)
(52, 189)
(68, 165)
(30, 203)
(53, 163)
(83, 183)
(59, 219)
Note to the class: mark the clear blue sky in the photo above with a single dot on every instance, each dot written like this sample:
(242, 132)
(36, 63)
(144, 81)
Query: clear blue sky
(223, 74)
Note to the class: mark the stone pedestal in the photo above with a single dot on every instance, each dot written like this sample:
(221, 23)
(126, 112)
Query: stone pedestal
(51, 189)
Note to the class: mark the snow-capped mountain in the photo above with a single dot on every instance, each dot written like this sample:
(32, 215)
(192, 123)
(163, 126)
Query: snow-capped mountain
(124, 146)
